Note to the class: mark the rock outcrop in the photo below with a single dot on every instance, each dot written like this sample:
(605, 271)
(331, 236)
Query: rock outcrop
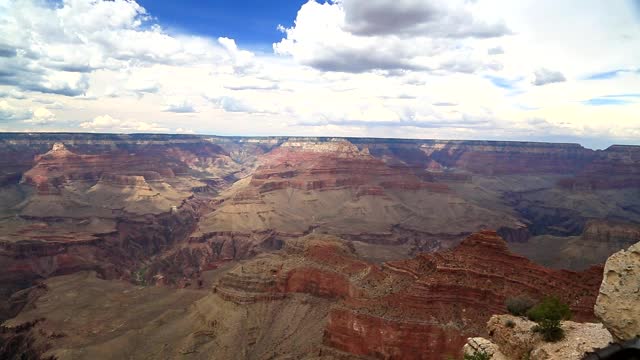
(618, 304)
(512, 338)
(446, 297)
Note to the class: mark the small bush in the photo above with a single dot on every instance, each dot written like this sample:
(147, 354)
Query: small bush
(550, 308)
(478, 355)
(550, 330)
(548, 314)
(519, 305)
(510, 324)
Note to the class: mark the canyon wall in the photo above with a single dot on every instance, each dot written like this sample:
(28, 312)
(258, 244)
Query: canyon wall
(391, 237)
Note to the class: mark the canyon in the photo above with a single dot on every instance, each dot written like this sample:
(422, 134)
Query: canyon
(283, 247)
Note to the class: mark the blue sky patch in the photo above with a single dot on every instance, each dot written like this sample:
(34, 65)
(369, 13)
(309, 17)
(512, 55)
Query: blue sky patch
(252, 23)
(604, 101)
(606, 75)
(502, 82)
(634, 95)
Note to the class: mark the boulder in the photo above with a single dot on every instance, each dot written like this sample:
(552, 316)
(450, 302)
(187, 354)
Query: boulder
(479, 344)
(618, 303)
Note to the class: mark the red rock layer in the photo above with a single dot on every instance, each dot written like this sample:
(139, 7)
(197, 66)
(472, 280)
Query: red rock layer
(333, 165)
(448, 297)
(421, 308)
(611, 231)
(615, 168)
(322, 269)
(59, 165)
(483, 157)
(27, 259)
(376, 337)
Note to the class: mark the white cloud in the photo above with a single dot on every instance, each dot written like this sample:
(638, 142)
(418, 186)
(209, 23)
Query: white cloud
(498, 50)
(433, 18)
(180, 106)
(184, 131)
(41, 116)
(108, 123)
(101, 122)
(356, 36)
(544, 76)
(12, 94)
(231, 104)
(9, 112)
(242, 60)
(37, 116)
(57, 47)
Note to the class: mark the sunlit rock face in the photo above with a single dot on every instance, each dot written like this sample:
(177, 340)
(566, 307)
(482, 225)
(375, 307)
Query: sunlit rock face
(618, 305)
(97, 203)
(518, 341)
(460, 289)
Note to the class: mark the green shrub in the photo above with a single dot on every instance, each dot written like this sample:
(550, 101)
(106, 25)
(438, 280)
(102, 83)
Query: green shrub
(478, 355)
(548, 314)
(550, 308)
(519, 305)
(550, 330)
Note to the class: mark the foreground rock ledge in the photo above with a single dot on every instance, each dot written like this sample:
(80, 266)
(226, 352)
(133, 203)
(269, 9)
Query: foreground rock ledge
(519, 342)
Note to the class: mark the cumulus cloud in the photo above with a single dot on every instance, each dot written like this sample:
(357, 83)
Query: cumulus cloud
(498, 50)
(7, 52)
(184, 131)
(231, 104)
(435, 18)
(108, 123)
(544, 76)
(52, 48)
(41, 116)
(13, 94)
(243, 61)
(359, 36)
(9, 112)
(38, 116)
(180, 106)
(101, 122)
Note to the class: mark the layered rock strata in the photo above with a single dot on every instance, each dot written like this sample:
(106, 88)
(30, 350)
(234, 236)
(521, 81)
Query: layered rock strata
(423, 308)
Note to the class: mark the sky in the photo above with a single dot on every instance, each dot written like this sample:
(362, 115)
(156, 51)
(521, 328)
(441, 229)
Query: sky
(527, 70)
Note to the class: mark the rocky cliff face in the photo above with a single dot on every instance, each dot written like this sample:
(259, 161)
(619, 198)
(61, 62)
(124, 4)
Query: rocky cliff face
(420, 308)
(616, 306)
(94, 204)
(613, 168)
(461, 288)
(334, 187)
